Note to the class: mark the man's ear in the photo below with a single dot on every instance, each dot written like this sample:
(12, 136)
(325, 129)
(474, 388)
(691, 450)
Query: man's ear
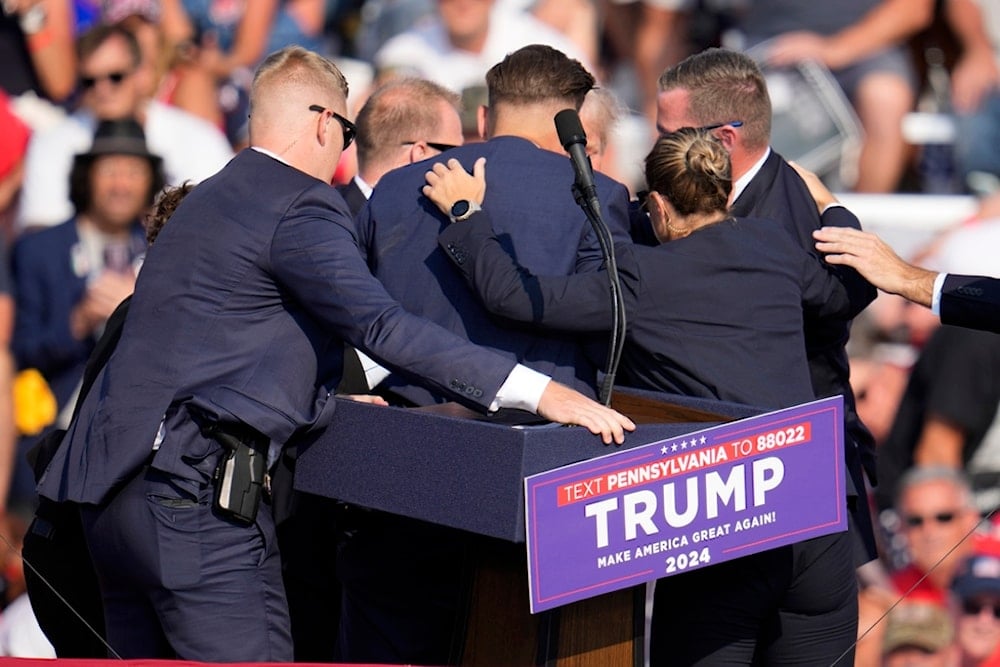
(482, 120)
(727, 135)
(418, 151)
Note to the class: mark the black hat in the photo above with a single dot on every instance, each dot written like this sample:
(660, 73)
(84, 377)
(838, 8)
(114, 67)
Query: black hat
(119, 137)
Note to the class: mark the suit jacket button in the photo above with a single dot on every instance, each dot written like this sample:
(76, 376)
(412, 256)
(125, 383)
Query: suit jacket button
(478, 393)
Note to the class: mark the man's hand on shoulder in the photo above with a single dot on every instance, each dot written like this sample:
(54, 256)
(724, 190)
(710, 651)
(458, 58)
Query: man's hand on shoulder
(561, 404)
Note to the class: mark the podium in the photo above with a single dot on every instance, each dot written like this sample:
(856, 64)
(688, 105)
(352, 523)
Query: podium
(449, 466)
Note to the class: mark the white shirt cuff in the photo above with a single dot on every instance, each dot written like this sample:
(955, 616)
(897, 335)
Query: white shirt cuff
(936, 296)
(374, 374)
(522, 390)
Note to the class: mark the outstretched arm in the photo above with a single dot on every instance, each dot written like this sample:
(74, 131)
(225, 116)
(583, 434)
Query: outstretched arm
(875, 260)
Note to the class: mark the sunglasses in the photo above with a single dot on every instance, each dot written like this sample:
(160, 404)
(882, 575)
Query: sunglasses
(115, 78)
(350, 129)
(433, 144)
(915, 520)
(975, 607)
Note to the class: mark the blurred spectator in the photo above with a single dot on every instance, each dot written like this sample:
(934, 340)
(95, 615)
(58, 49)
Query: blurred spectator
(600, 114)
(977, 598)
(651, 34)
(936, 517)
(14, 136)
(947, 407)
(36, 48)
(457, 45)
(928, 537)
(577, 20)
(192, 149)
(975, 90)
(230, 37)
(862, 43)
(69, 278)
(168, 72)
(918, 635)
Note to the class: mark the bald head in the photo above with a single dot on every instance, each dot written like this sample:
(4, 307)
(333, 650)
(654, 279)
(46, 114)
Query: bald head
(402, 122)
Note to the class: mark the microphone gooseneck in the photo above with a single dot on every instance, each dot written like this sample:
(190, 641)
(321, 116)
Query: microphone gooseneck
(574, 140)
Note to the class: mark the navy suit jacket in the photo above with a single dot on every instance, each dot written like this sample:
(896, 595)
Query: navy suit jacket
(529, 191)
(971, 301)
(354, 197)
(49, 282)
(777, 192)
(717, 314)
(239, 316)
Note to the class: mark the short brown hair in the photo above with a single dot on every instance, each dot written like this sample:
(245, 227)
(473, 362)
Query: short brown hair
(399, 111)
(724, 86)
(691, 169)
(538, 73)
(100, 34)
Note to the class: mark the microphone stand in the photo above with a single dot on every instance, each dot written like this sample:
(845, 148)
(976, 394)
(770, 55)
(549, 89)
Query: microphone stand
(592, 208)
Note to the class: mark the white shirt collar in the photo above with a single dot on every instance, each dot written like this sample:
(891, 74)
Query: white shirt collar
(362, 184)
(741, 184)
(270, 154)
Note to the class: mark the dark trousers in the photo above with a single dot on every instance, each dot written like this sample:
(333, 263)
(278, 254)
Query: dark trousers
(405, 586)
(177, 580)
(56, 557)
(794, 605)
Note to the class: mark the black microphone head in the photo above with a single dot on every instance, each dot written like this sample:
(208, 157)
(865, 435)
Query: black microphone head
(569, 128)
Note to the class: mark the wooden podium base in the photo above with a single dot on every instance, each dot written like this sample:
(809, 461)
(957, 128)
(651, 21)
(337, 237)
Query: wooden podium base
(606, 631)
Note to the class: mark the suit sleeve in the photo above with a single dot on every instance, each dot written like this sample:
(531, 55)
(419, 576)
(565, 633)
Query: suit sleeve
(579, 302)
(971, 301)
(860, 291)
(42, 338)
(317, 260)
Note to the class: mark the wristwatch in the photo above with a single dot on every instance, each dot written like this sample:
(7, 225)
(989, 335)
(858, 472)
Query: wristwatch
(463, 209)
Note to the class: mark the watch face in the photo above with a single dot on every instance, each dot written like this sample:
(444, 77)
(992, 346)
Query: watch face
(460, 208)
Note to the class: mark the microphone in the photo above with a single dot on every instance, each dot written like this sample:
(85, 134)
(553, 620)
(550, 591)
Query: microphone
(574, 140)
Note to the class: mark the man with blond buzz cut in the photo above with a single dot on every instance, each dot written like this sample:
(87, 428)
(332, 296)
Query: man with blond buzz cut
(260, 273)
(725, 92)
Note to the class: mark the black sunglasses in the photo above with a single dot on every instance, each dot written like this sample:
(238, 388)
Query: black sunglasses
(975, 607)
(115, 78)
(915, 520)
(703, 128)
(350, 129)
(433, 144)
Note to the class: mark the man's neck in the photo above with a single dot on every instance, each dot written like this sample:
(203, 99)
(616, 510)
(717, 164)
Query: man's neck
(534, 123)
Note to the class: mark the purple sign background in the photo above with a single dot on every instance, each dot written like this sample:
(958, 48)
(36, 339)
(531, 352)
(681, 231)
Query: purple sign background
(683, 503)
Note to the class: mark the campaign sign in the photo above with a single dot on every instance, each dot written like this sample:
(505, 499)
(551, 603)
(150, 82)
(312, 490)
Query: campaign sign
(684, 503)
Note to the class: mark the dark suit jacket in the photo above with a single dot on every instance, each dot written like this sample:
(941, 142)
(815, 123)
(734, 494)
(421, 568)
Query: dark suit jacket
(778, 193)
(971, 301)
(537, 220)
(239, 316)
(717, 314)
(354, 197)
(49, 283)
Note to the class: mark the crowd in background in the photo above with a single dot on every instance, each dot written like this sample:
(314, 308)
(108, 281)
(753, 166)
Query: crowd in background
(180, 71)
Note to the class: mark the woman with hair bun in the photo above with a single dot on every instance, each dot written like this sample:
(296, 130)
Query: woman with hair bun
(715, 311)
